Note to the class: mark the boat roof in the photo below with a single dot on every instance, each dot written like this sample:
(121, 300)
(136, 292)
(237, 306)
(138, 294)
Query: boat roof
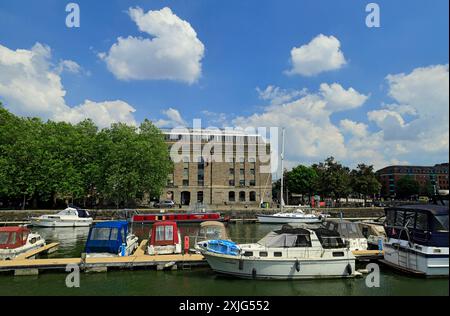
(14, 229)
(211, 223)
(111, 224)
(432, 208)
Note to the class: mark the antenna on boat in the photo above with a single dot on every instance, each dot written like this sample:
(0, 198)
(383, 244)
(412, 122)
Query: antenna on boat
(282, 169)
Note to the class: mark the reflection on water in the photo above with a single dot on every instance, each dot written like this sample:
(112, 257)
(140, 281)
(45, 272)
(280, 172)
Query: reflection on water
(199, 281)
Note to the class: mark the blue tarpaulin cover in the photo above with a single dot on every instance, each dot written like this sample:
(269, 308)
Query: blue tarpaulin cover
(107, 237)
(224, 247)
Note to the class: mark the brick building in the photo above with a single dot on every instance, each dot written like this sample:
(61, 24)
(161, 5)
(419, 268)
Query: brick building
(218, 168)
(436, 175)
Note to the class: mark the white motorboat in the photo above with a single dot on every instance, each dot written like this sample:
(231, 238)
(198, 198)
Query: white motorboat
(289, 253)
(17, 240)
(297, 216)
(417, 239)
(70, 217)
(110, 239)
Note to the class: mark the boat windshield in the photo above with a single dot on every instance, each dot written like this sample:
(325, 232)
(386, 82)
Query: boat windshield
(4, 237)
(104, 233)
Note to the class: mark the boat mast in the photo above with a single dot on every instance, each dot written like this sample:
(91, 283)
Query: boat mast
(282, 169)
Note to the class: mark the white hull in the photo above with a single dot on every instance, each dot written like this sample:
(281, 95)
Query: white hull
(280, 269)
(429, 261)
(10, 254)
(270, 219)
(38, 222)
(164, 250)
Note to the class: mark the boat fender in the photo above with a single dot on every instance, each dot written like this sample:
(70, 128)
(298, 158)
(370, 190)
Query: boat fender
(297, 265)
(241, 264)
(123, 248)
(254, 273)
(349, 269)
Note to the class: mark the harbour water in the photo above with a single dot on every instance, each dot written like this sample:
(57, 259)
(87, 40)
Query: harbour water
(200, 281)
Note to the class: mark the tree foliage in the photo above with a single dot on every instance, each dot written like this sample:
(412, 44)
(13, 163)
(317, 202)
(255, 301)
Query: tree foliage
(407, 186)
(364, 181)
(58, 161)
(302, 180)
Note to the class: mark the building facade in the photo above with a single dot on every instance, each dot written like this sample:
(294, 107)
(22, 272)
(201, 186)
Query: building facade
(435, 176)
(218, 168)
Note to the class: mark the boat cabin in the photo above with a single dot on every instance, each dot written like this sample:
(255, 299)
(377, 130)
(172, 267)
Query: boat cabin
(13, 237)
(346, 229)
(299, 236)
(164, 233)
(107, 237)
(73, 211)
(212, 230)
(425, 224)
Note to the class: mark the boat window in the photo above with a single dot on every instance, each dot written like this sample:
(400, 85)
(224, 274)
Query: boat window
(303, 241)
(114, 234)
(338, 253)
(263, 253)
(4, 236)
(100, 233)
(159, 233)
(410, 219)
(13, 238)
(441, 222)
(169, 233)
(248, 254)
(277, 254)
(399, 219)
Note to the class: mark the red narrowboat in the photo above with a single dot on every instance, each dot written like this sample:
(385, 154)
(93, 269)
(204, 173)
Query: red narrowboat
(196, 217)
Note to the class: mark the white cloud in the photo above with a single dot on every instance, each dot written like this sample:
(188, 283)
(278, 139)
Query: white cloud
(323, 53)
(31, 86)
(276, 95)
(69, 66)
(173, 52)
(354, 128)
(339, 99)
(173, 119)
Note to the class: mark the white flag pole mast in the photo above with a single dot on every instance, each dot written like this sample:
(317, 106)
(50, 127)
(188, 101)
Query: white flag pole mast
(282, 169)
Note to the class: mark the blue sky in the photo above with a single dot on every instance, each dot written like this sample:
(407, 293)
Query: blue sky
(247, 44)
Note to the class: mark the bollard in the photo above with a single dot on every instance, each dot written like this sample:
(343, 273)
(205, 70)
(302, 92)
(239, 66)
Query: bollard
(186, 244)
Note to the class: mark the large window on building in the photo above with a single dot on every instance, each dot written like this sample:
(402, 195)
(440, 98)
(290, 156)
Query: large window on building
(252, 196)
(231, 196)
(200, 196)
(201, 173)
(242, 196)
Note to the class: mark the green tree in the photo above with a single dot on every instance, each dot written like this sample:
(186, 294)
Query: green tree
(364, 181)
(407, 186)
(134, 162)
(333, 179)
(302, 180)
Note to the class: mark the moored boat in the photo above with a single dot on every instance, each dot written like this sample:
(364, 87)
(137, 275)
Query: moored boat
(297, 216)
(164, 239)
(289, 253)
(417, 239)
(210, 231)
(16, 240)
(349, 231)
(187, 217)
(70, 217)
(110, 239)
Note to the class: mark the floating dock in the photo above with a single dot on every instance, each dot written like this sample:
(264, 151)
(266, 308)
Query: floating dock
(32, 254)
(24, 266)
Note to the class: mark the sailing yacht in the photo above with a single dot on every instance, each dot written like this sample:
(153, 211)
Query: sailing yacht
(283, 217)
